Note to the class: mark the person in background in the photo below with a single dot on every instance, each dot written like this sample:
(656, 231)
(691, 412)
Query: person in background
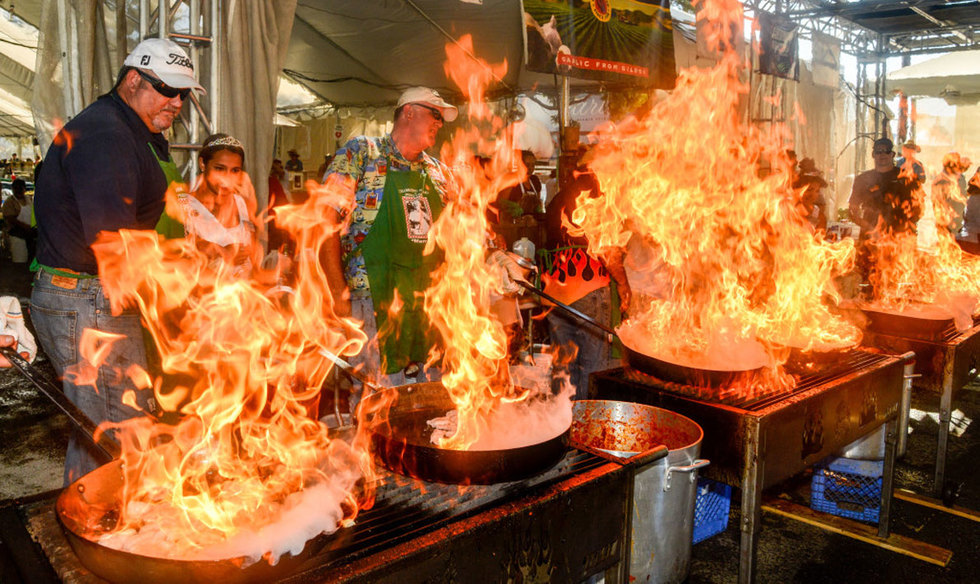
(582, 281)
(294, 164)
(910, 165)
(277, 198)
(971, 222)
(810, 184)
(107, 169)
(395, 192)
(949, 193)
(216, 216)
(17, 211)
(882, 200)
(322, 171)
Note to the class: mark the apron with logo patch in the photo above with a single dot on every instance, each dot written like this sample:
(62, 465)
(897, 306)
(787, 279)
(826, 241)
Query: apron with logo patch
(395, 265)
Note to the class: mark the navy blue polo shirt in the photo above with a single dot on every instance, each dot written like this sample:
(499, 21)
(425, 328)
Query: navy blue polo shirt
(99, 174)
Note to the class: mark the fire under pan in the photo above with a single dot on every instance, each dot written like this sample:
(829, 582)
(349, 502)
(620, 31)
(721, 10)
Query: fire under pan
(945, 359)
(566, 524)
(759, 442)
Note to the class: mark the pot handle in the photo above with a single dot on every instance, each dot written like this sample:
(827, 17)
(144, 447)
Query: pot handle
(701, 462)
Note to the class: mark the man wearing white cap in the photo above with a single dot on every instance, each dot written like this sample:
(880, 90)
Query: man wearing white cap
(396, 193)
(107, 169)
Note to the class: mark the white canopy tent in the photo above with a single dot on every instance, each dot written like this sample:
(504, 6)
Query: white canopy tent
(954, 76)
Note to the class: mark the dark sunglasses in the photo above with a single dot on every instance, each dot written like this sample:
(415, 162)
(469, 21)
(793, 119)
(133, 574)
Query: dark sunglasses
(435, 112)
(883, 152)
(164, 89)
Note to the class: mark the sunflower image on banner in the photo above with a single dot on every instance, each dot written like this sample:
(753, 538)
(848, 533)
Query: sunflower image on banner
(606, 40)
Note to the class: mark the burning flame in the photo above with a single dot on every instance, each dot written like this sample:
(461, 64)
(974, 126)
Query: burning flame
(725, 271)
(474, 351)
(246, 465)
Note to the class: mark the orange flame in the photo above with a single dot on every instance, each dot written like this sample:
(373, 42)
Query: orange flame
(725, 271)
(241, 368)
(474, 352)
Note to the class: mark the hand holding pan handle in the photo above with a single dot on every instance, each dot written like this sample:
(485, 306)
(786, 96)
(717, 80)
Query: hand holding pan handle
(106, 443)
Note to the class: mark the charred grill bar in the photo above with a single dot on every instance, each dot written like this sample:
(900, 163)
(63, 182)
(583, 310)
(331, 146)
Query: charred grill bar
(760, 441)
(565, 524)
(944, 359)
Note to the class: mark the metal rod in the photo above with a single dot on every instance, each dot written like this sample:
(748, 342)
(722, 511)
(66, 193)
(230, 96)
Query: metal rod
(567, 308)
(191, 37)
(349, 369)
(106, 443)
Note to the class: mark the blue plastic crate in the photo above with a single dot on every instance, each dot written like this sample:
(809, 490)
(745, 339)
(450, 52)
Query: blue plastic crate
(848, 488)
(711, 509)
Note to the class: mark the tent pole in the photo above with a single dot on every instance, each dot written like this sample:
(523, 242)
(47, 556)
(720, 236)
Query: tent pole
(144, 18)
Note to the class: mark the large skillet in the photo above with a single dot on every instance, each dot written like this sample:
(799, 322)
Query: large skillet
(663, 370)
(403, 445)
(92, 502)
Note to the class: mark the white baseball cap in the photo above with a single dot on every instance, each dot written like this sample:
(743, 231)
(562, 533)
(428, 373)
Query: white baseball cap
(166, 60)
(430, 97)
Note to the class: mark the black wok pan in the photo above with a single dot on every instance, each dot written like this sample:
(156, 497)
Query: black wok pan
(403, 444)
(663, 370)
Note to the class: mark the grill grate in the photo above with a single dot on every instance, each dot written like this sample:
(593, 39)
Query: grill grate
(758, 398)
(407, 508)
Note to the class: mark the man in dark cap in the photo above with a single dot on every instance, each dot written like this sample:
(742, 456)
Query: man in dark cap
(108, 169)
(882, 199)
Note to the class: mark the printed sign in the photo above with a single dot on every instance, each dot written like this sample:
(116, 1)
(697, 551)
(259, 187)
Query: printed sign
(608, 40)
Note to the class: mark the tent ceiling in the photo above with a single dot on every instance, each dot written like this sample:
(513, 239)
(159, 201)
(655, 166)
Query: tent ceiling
(365, 53)
(909, 26)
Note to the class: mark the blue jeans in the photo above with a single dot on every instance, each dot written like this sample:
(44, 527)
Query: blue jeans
(593, 344)
(59, 316)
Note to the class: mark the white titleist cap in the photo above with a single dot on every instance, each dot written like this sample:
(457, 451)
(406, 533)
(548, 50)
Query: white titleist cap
(430, 97)
(166, 60)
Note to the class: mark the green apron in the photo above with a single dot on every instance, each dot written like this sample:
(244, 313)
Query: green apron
(167, 226)
(393, 259)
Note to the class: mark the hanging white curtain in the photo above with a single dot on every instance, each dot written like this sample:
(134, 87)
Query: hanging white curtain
(73, 66)
(252, 48)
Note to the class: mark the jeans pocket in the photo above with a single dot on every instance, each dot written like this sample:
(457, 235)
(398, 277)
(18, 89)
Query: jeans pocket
(57, 332)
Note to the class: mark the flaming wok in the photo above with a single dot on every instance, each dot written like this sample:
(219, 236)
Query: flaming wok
(89, 507)
(659, 368)
(403, 444)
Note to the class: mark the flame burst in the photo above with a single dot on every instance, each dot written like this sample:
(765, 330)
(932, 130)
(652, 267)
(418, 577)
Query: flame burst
(246, 471)
(474, 350)
(726, 273)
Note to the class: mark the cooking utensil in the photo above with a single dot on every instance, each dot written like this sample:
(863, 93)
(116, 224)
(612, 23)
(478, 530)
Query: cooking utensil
(109, 447)
(664, 493)
(645, 363)
(94, 501)
(403, 445)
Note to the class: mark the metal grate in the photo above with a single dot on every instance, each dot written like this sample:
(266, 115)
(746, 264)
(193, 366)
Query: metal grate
(407, 508)
(842, 365)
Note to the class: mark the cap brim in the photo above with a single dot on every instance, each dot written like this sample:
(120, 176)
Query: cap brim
(449, 113)
(180, 81)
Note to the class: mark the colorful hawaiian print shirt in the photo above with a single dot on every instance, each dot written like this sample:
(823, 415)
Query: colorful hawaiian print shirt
(367, 160)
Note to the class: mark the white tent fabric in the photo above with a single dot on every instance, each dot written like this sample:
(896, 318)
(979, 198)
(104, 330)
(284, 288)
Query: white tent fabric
(953, 75)
(59, 95)
(255, 41)
(252, 49)
(16, 77)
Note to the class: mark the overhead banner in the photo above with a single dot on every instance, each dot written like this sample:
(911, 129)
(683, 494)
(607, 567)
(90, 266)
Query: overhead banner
(826, 60)
(779, 45)
(607, 40)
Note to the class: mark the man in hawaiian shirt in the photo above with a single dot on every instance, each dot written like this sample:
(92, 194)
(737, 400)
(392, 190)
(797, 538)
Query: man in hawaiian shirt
(395, 194)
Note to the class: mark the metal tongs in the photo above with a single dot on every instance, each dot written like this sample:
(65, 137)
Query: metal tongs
(106, 443)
